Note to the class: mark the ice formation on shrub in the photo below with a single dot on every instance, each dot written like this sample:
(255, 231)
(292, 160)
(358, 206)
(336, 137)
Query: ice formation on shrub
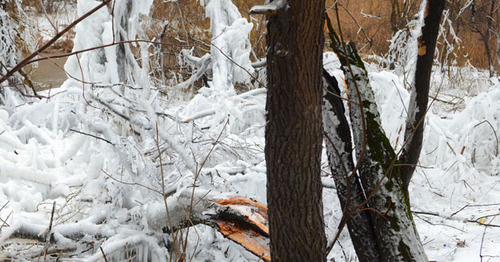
(94, 152)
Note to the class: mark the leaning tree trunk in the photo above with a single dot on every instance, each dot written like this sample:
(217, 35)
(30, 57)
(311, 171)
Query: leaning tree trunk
(349, 190)
(393, 226)
(294, 129)
(420, 92)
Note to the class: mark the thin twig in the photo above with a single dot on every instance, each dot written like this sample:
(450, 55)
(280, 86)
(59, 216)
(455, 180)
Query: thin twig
(103, 254)
(238, 65)
(370, 41)
(83, 83)
(94, 136)
(48, 18)
(4, 221)
(198, 172)
(482, 242)
(52, 216)
(163, 186)
(97, 47)
(49, 233)
(478, 205)
(137, 184)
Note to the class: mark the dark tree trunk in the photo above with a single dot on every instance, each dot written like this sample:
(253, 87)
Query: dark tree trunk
(420, 92)
(491, 65)
(294, 131)
(395, 14)
(498, 50)
(489, 55)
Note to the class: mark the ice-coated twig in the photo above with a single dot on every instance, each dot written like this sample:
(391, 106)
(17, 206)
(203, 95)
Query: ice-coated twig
(201, 63)
(260, 63)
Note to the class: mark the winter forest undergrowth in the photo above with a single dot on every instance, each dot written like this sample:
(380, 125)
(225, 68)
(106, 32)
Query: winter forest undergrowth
(84, 166)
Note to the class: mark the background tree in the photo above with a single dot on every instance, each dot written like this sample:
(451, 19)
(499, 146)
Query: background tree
(401, 13)
(294, 129)
(481, 17)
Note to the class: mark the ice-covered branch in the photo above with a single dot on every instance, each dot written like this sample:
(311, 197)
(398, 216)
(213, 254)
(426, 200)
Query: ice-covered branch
(202, 64)
(269, 8)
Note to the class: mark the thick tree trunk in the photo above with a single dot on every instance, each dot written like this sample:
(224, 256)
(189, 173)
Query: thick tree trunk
(294, 131)
(420, 92)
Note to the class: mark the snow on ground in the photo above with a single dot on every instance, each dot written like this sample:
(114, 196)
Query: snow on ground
(458, 182)
(42, 161)
(94, 152)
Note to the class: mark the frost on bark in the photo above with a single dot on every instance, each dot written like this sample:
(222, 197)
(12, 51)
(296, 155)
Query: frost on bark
(122, 17)
(126, 28)
(393, 225)
(349, 190)
(294, 131)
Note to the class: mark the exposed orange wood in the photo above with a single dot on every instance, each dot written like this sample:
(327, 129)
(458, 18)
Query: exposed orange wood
(240, 201)
(247, 238)
(255, 212)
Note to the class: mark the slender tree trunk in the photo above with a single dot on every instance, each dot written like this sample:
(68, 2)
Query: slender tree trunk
(122, 19)
(395, 16)
(498, 50)
(489, 55)
(294, 131)
(420, 92)
(489, 28)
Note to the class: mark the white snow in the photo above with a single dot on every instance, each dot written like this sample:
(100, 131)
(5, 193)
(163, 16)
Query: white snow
(94, 152)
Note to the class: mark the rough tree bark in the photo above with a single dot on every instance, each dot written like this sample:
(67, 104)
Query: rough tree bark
(392, 225)
(419, 96)
(338, 141)
(294, 129)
